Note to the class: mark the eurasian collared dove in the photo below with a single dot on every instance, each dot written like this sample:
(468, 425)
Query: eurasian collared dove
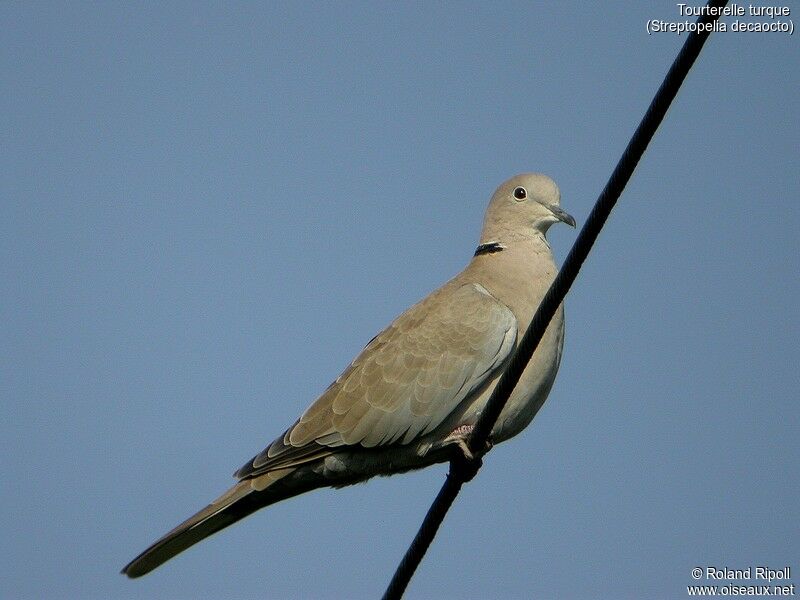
(416, 389)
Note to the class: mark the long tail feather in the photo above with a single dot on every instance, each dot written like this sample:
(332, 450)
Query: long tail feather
(241, 500)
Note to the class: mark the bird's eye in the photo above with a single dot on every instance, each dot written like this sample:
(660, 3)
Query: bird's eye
(520, 193)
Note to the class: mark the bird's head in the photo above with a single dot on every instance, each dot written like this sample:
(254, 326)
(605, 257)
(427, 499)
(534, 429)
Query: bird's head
(522, 205)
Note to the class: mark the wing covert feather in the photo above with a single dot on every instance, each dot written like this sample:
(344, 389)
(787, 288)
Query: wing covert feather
(406, 381)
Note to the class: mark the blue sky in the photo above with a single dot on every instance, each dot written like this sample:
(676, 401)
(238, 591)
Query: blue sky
(209, 209)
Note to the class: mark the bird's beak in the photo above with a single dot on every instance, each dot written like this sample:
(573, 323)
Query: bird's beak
(561, 215)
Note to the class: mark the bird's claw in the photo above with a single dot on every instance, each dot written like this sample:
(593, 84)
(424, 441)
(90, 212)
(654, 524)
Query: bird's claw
(466, 463)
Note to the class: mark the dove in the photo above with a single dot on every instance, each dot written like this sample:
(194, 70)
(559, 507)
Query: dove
(412, 396)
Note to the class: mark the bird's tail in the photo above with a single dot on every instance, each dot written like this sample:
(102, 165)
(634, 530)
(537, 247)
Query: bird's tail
(241, 500)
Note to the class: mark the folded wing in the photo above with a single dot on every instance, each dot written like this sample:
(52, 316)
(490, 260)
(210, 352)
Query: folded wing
(405, 382)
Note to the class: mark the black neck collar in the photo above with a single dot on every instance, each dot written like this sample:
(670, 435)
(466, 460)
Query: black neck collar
(489, 248)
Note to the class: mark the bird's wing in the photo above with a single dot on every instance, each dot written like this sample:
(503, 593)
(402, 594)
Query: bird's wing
(405, 382)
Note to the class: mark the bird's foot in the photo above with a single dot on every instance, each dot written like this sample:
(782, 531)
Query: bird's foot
(466, 462)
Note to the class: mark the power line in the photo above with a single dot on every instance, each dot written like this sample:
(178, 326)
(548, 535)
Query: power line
(462, 469)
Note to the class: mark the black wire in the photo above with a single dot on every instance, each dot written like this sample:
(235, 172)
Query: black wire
(555, 295)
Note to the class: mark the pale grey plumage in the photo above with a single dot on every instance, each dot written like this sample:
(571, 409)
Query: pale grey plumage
(419, 385)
